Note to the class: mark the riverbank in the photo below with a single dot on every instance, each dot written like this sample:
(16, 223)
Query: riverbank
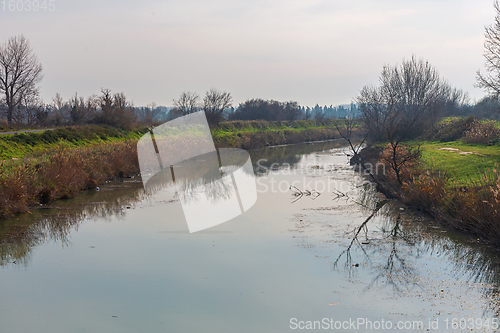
(35, 144)
(120, 238)
(37, 168)
(454, 182)
(258, 133)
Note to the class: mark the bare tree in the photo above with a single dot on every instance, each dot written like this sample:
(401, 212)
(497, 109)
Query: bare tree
(318, 114)
(292, 110)
(31, 106)
(114, 110)
(187, 103)
(347, 130)
(61, 110)
(403, 105)
(307, 114)
(149, 113)
(78, 111)
(214, 104)
(491, 81)
(20, 72)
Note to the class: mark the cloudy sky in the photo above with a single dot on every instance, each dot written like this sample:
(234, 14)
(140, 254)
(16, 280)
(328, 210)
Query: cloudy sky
(309, 51)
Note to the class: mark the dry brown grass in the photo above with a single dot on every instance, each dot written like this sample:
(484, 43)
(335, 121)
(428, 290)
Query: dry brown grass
(62, 174)
(474, 210)
(481, 133)
(424, 190)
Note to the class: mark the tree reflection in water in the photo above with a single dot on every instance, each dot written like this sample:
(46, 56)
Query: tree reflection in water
(56, 222)
(19, 235)
(406, 236)
(390, 256)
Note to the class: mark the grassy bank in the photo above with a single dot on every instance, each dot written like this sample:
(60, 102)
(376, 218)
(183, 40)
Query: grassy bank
(36, 168)
(61, 174)
(37, 143)
(463, 164)
(257, 134)
(455, 181)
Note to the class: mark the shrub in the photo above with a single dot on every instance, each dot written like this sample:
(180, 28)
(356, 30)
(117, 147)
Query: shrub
(479, 132)
(473, 210)
(451, 130)
(4, 124)
(400, 160)
(424, 190)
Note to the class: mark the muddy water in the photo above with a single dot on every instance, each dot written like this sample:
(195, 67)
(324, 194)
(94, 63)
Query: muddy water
(119, 260)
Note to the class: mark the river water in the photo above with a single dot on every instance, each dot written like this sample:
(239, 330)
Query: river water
(120, 260)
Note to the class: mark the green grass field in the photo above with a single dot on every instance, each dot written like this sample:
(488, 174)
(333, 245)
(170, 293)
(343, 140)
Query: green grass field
(23, 144)
(17, 146)
(460, 169)
(228, 129)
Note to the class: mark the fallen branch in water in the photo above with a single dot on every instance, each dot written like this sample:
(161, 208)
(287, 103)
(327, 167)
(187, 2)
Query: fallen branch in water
(313, 194)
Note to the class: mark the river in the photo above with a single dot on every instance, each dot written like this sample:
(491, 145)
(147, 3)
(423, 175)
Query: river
(121, 260)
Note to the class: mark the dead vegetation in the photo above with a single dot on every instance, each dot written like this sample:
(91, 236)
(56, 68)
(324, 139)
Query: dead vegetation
(474, 210)
(481, 132)
(61, 174)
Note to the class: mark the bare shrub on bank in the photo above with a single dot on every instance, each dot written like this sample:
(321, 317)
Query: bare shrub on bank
(483, 133)
(401, 159)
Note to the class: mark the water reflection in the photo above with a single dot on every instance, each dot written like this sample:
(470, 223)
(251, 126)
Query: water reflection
(56, 222)
(273, 158)
(299, 194)
(202, 172)
(389, 242)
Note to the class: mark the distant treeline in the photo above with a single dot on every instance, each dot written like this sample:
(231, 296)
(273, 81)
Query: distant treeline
(115, 110)
(486, 108)
(254, 109)
(105, 109)
(259, 109)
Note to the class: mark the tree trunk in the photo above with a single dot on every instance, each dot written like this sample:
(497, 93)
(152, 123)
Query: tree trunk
(10, 111)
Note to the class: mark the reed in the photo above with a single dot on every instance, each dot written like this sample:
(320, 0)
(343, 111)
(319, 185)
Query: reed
(473, 210)
(62, 173)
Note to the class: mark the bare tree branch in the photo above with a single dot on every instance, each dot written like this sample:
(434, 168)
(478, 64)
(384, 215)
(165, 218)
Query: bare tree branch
(187, 103)
(214, 104)
(410, 97)
(20, 72)
(491, 82)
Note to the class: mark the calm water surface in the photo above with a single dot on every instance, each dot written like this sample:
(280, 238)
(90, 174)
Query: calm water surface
(119, 260)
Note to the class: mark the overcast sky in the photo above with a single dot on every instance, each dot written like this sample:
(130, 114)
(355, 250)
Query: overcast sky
(305, 50)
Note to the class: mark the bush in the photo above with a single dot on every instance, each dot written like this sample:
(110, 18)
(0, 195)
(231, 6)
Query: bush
(451, 130)
(479, 132)
(423, 191)
(472, 210)
(400, 161)
(3, 124)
